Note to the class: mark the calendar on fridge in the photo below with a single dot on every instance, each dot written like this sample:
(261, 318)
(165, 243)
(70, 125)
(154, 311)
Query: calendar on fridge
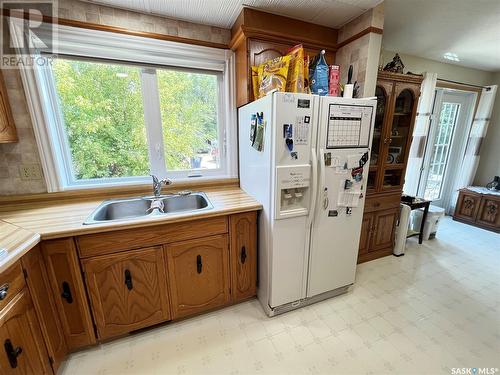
(348, 126)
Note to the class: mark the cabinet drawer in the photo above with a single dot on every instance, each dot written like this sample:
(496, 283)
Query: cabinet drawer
(11, 283)
(382, 202)
(128, 291)
(112, 242)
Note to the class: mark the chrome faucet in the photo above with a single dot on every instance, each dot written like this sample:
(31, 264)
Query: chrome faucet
(157, 184)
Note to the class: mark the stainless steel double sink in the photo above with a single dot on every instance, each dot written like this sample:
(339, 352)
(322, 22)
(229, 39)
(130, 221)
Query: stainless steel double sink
(141, 207)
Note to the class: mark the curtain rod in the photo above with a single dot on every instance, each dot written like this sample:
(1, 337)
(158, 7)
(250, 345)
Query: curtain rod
(464, 84)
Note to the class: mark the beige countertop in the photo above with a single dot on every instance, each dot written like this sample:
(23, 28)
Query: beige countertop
(14, 243)
(24, 224)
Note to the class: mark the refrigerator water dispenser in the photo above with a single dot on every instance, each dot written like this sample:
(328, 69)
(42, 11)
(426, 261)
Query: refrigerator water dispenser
(292, 190)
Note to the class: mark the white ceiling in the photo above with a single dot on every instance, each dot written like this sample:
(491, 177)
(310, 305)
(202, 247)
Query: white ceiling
(223, 13)
(430, 28)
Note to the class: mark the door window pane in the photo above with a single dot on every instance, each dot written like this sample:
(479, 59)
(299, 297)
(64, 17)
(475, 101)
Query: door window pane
(441, 150)
(188, 104)
(102, 110)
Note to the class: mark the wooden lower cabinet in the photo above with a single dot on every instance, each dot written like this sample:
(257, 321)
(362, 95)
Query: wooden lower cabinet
(45, 307)
(66, 282)
(378, 230)
(467, 206)
(384, 229)
(54, 303)
(479, 209)
(22, 347)
(243, 247)
(366, 233)
(127, 291)
(199, 275)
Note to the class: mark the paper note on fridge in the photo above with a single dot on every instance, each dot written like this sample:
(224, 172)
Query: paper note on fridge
(352, 161)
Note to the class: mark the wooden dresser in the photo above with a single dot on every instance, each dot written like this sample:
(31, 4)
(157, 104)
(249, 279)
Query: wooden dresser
(479, 207)
(397, 99)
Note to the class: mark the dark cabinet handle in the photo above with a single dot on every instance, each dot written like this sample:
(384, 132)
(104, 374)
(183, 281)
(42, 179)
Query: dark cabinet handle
(128, 280)
(3, 291)
(12, 353)
(199, 265)
(243, 255)
(66, 294)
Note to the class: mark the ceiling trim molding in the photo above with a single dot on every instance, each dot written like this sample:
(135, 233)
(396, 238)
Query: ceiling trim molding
(120, 30)
(368, 30)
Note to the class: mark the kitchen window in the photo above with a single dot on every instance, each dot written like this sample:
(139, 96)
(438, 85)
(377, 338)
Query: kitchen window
(107, 111)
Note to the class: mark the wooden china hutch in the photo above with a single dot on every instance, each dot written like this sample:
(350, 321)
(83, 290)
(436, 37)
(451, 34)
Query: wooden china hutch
(397, 99)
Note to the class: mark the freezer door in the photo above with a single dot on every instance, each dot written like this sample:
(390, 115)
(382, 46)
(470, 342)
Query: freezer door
(343, 171)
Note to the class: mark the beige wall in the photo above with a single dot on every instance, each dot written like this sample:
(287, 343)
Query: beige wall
(25, 152)
(362, 53)
(450, 72)
(489, 162)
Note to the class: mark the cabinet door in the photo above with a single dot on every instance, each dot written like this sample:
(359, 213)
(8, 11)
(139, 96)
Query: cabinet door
(398, 136)
(65, 278)
(489, 212)
(383, 92)
(199, 275)
(243, 233)
(260, 51)
(127, 291)
(7, 128)
(384, 229)
(22, 347)
(366, 232)
(45, 307)
(467, 206)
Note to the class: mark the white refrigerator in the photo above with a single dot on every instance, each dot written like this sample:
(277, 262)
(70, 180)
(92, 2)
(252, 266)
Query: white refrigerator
(305, 159)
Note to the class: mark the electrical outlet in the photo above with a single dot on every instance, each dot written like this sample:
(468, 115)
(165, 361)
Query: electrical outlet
(30, 172)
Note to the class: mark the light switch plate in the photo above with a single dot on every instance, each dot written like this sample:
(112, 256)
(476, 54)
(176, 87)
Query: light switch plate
(30, 172)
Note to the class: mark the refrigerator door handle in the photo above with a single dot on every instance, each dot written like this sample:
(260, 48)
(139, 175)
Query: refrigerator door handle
(314, 187)
(324, 189)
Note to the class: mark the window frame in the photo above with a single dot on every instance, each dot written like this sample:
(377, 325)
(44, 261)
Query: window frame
(148, 53)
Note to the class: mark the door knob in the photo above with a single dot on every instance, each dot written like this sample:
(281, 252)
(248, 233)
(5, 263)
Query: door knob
(243, 255)
(199, 265)
(3, 291)
(12, 353)
(128, 280)
(66, 294)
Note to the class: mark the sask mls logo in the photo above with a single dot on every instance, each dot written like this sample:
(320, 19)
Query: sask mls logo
(474, 370)
(26, 39)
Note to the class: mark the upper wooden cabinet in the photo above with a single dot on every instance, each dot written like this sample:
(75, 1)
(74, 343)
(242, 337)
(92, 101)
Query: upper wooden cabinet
(23, 350)
(8, 131)
(259, 36)
(128, 290)
(199, 274)
(66, 282)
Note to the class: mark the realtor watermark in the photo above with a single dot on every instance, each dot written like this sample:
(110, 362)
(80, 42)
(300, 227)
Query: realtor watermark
(27, 40)
(474, 370)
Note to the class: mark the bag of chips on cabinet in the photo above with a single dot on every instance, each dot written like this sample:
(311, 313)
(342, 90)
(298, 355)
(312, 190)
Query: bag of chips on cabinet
(295, 79)
(255, 82)
(273, 74)
(306, 75)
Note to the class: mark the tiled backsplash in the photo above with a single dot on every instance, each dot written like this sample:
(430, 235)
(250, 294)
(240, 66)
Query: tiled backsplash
(25, 152)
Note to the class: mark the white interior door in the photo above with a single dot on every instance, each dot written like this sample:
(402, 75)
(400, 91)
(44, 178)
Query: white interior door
(450, 124)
